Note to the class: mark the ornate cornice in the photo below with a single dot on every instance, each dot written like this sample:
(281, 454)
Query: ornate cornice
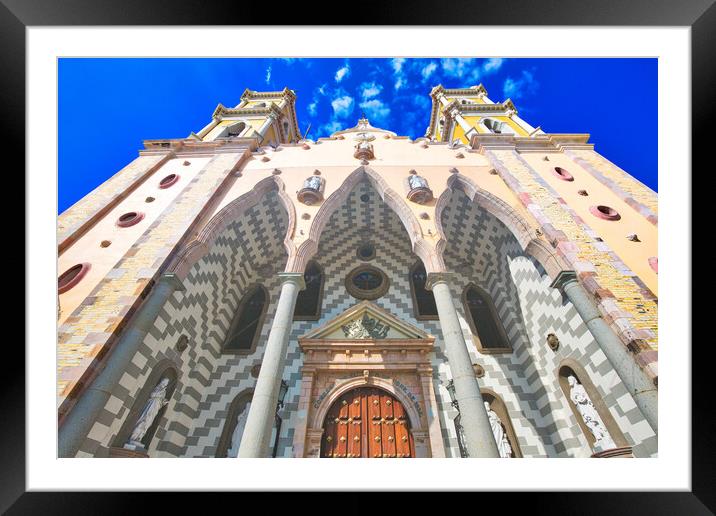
(536, 143)
(182, 146)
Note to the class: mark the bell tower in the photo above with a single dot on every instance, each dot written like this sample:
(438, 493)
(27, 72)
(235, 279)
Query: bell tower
(269, 116)
(458, 114)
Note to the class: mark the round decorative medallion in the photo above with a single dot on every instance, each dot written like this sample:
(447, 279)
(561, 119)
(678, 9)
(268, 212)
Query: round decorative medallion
(367, 282)
(168, 181)
(562, 174)
(129, 219)
(604, 212)
(366, 251)
(72, 277)
(255, 370)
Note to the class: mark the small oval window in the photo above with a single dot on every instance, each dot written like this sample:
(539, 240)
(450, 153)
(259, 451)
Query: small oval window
(562, 174)
(367, 282)
(604, 212)
(129, 219)
(72, 277)
(168, 181)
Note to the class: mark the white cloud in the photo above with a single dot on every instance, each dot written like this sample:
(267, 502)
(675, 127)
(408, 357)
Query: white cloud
(492, 65)
(516, 88)
(342, 106)
(398, 73)
(329, 128)
(312, 108)
(268, 74)
(342, 72)
(375, 110)
(369, 90)
(456, 67)
(428, 70)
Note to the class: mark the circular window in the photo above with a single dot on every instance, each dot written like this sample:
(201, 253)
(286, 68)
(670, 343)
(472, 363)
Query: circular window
(149, 199)
(562, 174)
(365, 197)
(72, 277)
(129, 219)
(366, 251)
(604, 212)
(105, 243)
(168, 181)
(367, 282)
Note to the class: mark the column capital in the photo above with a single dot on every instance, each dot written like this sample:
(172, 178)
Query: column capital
(437, 277)
(563, 279)
(293, 277)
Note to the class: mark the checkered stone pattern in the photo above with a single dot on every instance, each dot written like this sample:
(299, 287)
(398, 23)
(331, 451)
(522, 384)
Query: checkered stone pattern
(482, 250)
(248, 251)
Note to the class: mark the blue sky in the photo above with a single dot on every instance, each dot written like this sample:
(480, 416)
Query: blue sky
(108, 106)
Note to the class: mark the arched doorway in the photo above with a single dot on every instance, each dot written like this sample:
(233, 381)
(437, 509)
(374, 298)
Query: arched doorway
(367, 422)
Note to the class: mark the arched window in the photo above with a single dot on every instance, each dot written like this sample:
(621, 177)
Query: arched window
(308, 302)
(236, 129)
(423, 300)
(490, 336)
(497, 127)
(234, 425)
(245, 329)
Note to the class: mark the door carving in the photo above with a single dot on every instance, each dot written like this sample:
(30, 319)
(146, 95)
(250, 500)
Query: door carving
(367, 422)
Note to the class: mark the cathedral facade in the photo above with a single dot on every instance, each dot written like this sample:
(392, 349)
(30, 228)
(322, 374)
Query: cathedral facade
(487, 290)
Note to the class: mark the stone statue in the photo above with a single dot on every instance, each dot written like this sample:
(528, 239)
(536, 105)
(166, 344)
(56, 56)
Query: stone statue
(498, 430)
(238, 431)
(151, 409)
(585, 407)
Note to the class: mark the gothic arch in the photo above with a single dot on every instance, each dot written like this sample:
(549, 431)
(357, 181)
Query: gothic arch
(371, 381)
(552, 263)
(196, 249)
(298, 260)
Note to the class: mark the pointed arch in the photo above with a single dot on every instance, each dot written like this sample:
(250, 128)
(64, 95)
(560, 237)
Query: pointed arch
(197, 248)
(305, 251)
(552, 262)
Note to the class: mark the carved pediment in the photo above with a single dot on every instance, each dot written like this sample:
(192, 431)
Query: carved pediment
(366, 321)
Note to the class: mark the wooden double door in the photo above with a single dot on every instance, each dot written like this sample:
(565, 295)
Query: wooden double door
(367, 422)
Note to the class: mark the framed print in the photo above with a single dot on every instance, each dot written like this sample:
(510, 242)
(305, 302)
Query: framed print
(401, 241)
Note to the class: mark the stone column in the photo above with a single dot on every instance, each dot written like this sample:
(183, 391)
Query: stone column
(270, 119)
(635, 379)
(255, 441)
(480, 441)
(82, 416)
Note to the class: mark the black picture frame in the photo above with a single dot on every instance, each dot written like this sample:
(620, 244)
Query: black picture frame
(699, 15)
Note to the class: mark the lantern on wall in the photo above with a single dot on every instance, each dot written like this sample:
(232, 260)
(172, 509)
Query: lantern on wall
(311, 192)
(419, 190)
